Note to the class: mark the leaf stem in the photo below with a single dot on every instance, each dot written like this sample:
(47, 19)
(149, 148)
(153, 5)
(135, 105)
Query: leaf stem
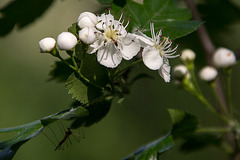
(191, 89)
(213, 86)
(191, 70)
(210, 107)
(81, 75)
(229, 91)
(64, 61)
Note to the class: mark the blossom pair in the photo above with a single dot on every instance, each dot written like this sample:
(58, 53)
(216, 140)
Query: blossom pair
(113, 43)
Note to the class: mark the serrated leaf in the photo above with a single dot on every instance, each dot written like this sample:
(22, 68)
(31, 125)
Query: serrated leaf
(183, 123)
(152, 150)
(165, 14)
(80, 90)
(21, 13)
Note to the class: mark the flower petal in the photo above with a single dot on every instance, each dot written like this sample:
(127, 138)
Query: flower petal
(152, 58)
(164, 70)
(104, 20)
(144, 40)
(95, 46)
(109, 56)
(129, 47)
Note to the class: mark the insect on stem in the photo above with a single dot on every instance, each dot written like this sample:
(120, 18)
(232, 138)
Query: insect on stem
(66, 136)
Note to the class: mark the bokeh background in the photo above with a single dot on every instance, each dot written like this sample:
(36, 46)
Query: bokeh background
(26, 94)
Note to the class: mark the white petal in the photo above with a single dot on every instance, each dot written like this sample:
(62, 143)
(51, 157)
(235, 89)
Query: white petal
(109, 56)
(104, 21)
(129, 47)
(95, 46)
(144, 39)
(164, 70)
(152, 58)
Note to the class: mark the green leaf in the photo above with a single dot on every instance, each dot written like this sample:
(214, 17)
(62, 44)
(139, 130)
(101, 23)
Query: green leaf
(97, 111)
(95, 72)
(120, 3)
(60, 71)
(68, 114)
(74, 29)
(21, 13)
(166, 15)
(183, 123)
(153, 150)
(25, 132)
(198, 141)
(80, 90)
(105, 1)
(28, 131)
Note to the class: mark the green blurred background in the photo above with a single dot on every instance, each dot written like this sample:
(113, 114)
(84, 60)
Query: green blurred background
(26, 95)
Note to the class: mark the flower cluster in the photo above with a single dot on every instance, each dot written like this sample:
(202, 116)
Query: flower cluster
(109, 39)
(222, 58)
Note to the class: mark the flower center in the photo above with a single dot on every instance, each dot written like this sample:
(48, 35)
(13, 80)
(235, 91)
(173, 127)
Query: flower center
(111, 34)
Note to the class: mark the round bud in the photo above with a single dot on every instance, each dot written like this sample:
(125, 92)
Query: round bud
(88, 35)
(47, 44)
(187, 55)
(208, 73)
(87, 19)
(180, 71)
(66, 41)
(224, 57)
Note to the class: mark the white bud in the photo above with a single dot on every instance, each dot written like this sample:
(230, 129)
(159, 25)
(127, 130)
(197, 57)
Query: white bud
(87, 19)
(88, 35)
(47, 44)
(224, 57)
(208, 73)
(187, 55)
(66, 41)
(180, 71)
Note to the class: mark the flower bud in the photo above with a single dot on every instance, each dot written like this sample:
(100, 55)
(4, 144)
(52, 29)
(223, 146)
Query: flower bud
(88, 35)
(208, 73)
(66, 41)
(87, 19)
(187, 55)
(224, 57)
(180, 71)
(47, 44)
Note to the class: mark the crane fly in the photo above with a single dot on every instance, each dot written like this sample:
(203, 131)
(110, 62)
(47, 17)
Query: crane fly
(66, 136)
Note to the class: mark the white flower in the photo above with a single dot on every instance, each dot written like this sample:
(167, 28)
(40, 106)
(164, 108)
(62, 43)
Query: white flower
(87, 19)
(66, 41)
(156, 52)
(208, 73)
(187, 55)
(180, 71)
(47, 44)
(113, 42)
(88, 35)
(224, 57)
